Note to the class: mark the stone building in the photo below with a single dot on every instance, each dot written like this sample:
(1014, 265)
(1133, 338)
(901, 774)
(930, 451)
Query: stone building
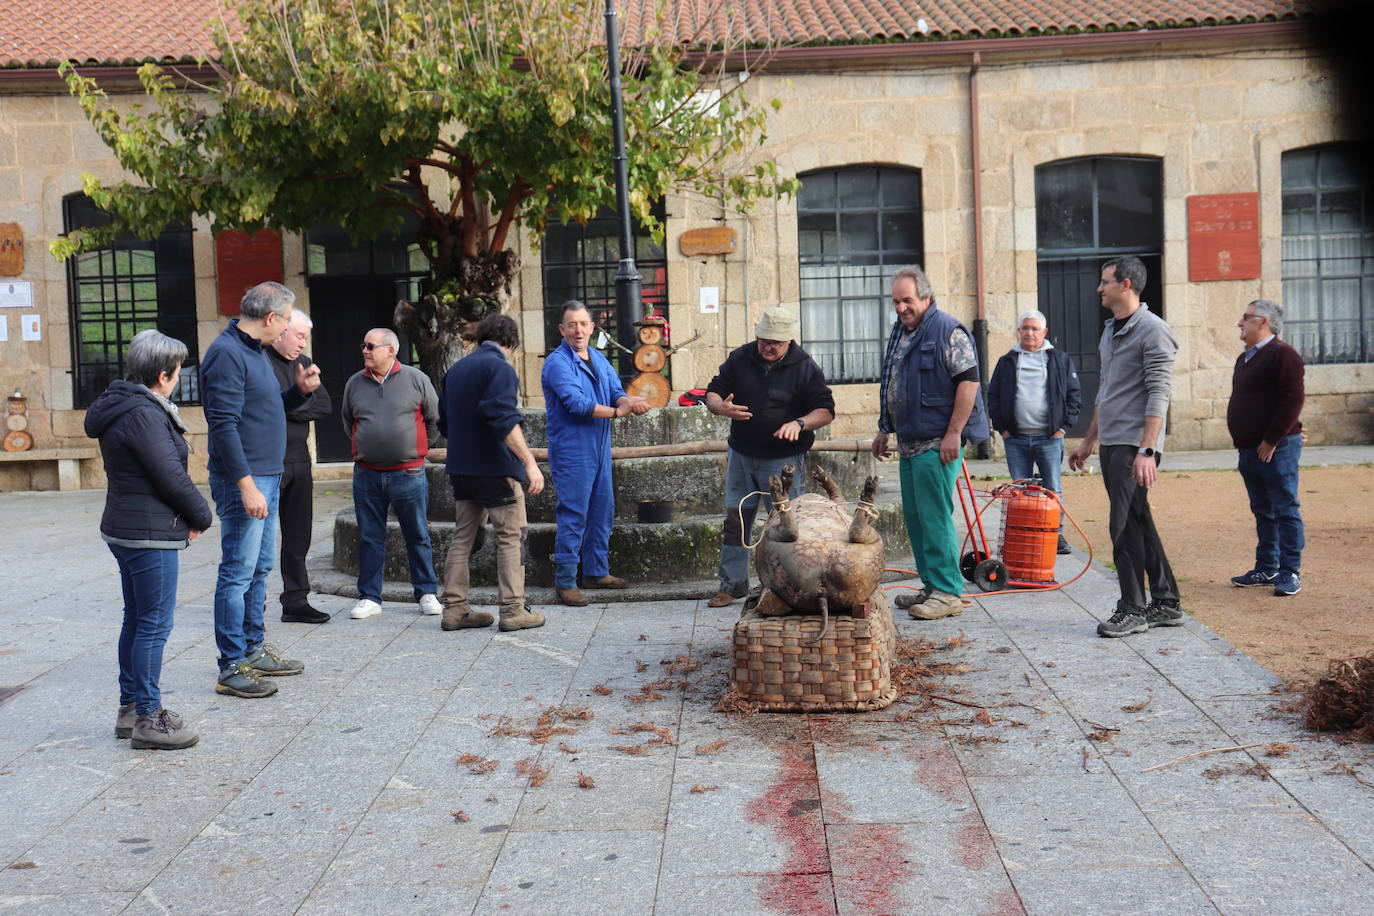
(1007, 153)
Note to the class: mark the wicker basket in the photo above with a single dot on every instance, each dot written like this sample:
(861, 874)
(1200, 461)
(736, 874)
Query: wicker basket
(847, 670)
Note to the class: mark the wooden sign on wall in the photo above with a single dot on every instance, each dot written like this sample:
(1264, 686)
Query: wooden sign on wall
(711, 240)
(1223, 237)
(243, 261)
(11, 250)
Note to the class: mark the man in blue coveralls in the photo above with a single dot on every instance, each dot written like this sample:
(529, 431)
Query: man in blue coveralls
(582, 394)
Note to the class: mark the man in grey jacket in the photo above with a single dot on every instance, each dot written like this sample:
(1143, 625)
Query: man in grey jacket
(390, 412)
(1137, 352)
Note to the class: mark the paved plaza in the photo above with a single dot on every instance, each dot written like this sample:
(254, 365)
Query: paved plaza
(583, 767)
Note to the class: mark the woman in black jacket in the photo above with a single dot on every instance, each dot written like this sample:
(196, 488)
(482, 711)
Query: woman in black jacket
(152, 510)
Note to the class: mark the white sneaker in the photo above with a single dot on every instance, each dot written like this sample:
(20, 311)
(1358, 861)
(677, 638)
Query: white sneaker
(365, 607)
(429, 604)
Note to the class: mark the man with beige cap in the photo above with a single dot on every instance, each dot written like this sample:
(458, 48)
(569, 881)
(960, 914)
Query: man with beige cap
(776, 397)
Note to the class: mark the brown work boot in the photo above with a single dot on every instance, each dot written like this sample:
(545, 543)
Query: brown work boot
(939, 604)
(523, 619)
(464, 621)
(721, 599)
(571, 597)
(907, 600)
(162, 731)
(603, 582)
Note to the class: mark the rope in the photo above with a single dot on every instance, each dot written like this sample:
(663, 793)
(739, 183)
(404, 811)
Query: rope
(739, 509)
(867, 508)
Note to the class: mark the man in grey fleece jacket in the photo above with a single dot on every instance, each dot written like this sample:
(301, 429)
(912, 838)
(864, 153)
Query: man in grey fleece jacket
(1137, 353)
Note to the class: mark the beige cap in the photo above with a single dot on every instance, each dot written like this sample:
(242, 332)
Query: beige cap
(776, 323)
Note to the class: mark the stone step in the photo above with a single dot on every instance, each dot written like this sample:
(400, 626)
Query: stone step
(683, 550)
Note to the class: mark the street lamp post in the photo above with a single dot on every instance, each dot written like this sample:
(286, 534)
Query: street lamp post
(628, 284)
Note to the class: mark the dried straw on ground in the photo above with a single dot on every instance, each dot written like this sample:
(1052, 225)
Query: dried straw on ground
(1343, 701)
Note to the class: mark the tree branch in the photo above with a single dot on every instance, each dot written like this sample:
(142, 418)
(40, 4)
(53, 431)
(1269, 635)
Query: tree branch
(518, 192)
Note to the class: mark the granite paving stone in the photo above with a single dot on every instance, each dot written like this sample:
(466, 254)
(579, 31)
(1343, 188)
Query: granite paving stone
(343, 793)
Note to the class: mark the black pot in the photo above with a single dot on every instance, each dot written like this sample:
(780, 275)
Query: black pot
(655, 511)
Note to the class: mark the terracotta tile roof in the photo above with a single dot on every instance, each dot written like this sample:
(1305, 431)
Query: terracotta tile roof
(41, 33)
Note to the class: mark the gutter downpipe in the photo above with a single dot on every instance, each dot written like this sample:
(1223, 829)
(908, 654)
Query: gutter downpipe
(980, 321)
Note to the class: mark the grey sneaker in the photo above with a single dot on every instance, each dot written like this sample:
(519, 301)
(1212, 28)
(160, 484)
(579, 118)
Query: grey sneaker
(243, 681)
(162, 731)
(1162, 613)
(936, 606)
(124, 722)
(1124, 622)
(266, 661)
(910, 599)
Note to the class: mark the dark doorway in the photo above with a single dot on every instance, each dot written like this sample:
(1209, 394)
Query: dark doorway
(344, 309)
(1088, 211)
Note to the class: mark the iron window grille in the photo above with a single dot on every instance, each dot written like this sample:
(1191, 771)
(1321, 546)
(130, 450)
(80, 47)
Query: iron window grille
(1328, 254)
(855, 227)
(130, 286)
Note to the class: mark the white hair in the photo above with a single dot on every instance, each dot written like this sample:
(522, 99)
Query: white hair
(1034, 315)
(302, 318)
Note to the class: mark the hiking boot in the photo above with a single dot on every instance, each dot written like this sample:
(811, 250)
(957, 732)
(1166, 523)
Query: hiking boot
(571, 597)
(265, 660)
(429, 604)
(907, 600)
(303, 614)
(1255, 577)
(722, 599)
(365, 607)
(523, 619)
(603, 582)
(464, 621)
(162, 731)
(1286, 584)
(242, 681)
(1164, 613)
(1124, 622)
(124, 722)
(1063, 548)
(936, 606)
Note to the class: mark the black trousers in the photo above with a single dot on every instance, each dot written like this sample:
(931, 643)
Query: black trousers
(1136, 548)
(295, 513)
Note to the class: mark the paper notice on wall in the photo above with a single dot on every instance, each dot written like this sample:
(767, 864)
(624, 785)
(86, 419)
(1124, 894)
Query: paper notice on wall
(4, 327)
(32, 327)
(16, 294)
(710, 300)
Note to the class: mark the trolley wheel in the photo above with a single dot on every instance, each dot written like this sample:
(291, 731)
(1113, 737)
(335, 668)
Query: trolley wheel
(990, 575)
(970, 562)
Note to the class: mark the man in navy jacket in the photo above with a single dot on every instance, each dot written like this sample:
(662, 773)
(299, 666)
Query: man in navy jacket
(245, 409)
(488, 463)
(1033, 399)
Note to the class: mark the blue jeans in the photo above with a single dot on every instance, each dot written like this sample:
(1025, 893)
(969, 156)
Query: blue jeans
(149, 580)
(1273, 489)
(407, 493)
(247, 551)
(1043, 453)
(745, 475)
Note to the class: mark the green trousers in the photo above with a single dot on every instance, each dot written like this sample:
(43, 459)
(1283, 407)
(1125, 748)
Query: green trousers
(928, 507)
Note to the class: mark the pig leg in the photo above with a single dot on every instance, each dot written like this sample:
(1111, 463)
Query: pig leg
(827, 484)
(784, 530)
(861, 530)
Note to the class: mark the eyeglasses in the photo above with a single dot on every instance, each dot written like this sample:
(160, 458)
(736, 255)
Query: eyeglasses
(1251, 317)
(372, 346)
(772, 343)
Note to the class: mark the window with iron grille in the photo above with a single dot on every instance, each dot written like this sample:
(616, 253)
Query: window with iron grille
(580, 262)
(132, 285)
(1328, 254)
(855, 227)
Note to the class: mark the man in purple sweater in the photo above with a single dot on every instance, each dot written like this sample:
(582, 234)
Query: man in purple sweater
(1262, 416)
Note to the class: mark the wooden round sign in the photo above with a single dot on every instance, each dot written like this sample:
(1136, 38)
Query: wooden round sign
(650, 358)
(650, 386)
(650, 334)
(16, 421)
(16, 440)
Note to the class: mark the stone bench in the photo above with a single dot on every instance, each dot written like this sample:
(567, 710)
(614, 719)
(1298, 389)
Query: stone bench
(68, 461)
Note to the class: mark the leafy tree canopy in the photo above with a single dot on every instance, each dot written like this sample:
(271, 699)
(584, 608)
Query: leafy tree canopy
(329, 110)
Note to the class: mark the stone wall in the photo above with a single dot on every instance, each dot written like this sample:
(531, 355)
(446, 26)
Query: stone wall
(1219, 117)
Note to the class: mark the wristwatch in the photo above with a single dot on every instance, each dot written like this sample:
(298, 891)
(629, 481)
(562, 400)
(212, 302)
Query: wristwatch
(801, 424)
(1147, 452)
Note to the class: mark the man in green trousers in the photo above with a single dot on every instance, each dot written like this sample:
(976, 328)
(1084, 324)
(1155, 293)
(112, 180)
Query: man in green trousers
(929, 397)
